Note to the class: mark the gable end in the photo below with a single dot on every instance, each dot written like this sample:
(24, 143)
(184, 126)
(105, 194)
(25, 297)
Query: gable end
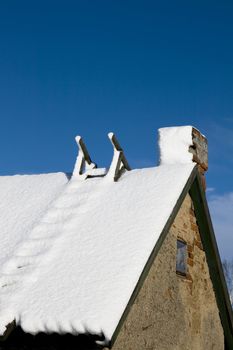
(195, 189)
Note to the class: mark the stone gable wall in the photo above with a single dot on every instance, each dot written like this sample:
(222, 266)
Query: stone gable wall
(172, 312)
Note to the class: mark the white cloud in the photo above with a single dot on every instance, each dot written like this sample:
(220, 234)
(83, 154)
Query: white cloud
(210, 189)
(221, 209)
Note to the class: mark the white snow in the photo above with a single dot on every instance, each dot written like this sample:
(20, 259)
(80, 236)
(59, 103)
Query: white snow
(24, 199)
(174, 143)
(76, 270)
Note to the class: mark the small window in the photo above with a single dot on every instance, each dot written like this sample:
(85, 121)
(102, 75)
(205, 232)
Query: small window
(181, 258)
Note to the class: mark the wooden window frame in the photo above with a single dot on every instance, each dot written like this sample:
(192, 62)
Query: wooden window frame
(178, 272)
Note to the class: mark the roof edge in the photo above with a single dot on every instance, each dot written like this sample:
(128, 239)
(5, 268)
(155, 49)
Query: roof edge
(213, 259)
(9, 329)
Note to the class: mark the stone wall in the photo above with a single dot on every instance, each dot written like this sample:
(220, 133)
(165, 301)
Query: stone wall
(173, 312)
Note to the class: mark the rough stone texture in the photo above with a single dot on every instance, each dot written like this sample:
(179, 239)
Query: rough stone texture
(172, 312)
(199, 149)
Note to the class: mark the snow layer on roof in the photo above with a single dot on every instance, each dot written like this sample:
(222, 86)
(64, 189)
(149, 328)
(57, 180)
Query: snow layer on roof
(98, 236)
(24, 198)
(174, 143)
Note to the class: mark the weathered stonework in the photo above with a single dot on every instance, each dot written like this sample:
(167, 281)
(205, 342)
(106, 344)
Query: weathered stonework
(172, 312)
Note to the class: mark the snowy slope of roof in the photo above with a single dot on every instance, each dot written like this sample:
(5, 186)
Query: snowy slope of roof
(82, 261)
(24, 198)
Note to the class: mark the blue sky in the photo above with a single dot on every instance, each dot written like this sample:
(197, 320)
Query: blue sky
(90, 67)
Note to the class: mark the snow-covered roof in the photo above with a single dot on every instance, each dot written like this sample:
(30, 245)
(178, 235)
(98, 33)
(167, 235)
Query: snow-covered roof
(24, 199)
(78, 248)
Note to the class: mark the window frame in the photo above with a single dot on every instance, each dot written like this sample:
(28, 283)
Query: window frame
(183, 272)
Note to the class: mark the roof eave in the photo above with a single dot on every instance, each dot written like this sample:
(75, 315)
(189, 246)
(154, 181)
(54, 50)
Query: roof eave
(213, 259)
(9, 328)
